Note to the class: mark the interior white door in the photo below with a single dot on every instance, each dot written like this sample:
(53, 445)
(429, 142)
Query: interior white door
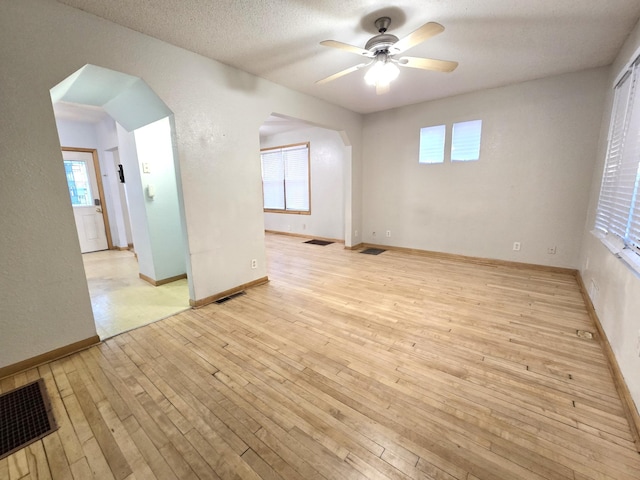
(85, 199)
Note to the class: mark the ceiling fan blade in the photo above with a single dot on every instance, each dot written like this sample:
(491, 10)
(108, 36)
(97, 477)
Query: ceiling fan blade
(341, 73)
(382, 88)
(428, 64)
(346, 47)
(423, 33)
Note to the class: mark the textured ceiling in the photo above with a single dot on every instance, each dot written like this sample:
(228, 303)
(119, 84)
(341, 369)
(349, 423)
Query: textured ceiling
(496, 42)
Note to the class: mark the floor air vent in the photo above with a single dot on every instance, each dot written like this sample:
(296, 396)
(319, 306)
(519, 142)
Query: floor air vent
(25, 416)
(318, 242)
(230, 297)
(373, 251)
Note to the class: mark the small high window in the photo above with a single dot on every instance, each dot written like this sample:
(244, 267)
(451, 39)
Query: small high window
(432, 144)
(465, 142)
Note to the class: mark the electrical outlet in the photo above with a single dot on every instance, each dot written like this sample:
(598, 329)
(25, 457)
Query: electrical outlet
(355, 234)
(373, 234)
(388, 233)
(551, 250)
(254, 263)
(516, 246)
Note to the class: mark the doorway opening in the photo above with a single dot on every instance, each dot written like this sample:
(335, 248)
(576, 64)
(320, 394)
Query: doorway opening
(329, 179)
(129, 217)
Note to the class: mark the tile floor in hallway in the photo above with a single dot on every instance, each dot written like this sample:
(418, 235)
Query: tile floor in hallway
(121, 300)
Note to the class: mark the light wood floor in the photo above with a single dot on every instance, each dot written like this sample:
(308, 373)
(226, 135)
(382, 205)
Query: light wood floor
(121, 300)
(346, 366)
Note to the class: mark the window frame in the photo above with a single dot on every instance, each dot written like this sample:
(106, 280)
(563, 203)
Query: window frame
(291, 146)
(624, 244)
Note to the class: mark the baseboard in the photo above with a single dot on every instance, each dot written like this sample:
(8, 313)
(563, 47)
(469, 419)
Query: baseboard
(157, 283)
(48, 356)
(474, 260)
(355, 247)
(302, 235)
(206, 301)
(629, 406)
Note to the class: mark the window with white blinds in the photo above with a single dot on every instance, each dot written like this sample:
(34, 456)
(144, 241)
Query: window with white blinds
(465, 142)
(285, 178)
(432, 144)
(618, 212)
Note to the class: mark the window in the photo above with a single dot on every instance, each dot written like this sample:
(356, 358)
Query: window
(465, 142)
(618, 213)
(285, 179)
(78, 183)
(432, 144)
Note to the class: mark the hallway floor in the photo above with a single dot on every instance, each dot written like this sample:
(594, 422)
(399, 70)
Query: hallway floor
(121, 300)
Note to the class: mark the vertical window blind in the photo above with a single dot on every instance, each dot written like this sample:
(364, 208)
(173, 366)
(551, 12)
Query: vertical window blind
(285, 178)
(618, 210)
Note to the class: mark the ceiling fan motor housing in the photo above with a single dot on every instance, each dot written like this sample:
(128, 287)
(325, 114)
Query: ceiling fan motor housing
(381, 43)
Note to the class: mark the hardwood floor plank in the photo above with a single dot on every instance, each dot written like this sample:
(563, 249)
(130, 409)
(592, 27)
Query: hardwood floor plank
(38, 463)
(102, 434)
(81, 470)
(17, 463)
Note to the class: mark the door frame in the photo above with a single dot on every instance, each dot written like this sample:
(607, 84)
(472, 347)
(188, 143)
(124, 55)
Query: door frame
(103, 205)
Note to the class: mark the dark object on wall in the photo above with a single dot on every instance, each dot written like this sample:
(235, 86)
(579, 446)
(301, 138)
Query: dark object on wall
(121, 173)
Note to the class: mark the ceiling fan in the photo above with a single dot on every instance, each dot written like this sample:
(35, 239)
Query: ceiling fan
(382, 49)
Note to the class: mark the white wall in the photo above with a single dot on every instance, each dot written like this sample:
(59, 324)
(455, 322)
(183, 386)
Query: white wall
(613, 287)
(77, 134)
(44, 302)
(531, 184)
(154, 149)
(328, 162)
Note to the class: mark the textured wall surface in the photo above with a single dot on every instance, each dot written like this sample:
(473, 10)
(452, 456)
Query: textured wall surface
(530, 185)
(44, 302)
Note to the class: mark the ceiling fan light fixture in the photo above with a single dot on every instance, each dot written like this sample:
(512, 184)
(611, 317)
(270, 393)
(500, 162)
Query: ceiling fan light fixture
(382, 72)
(382, 48)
